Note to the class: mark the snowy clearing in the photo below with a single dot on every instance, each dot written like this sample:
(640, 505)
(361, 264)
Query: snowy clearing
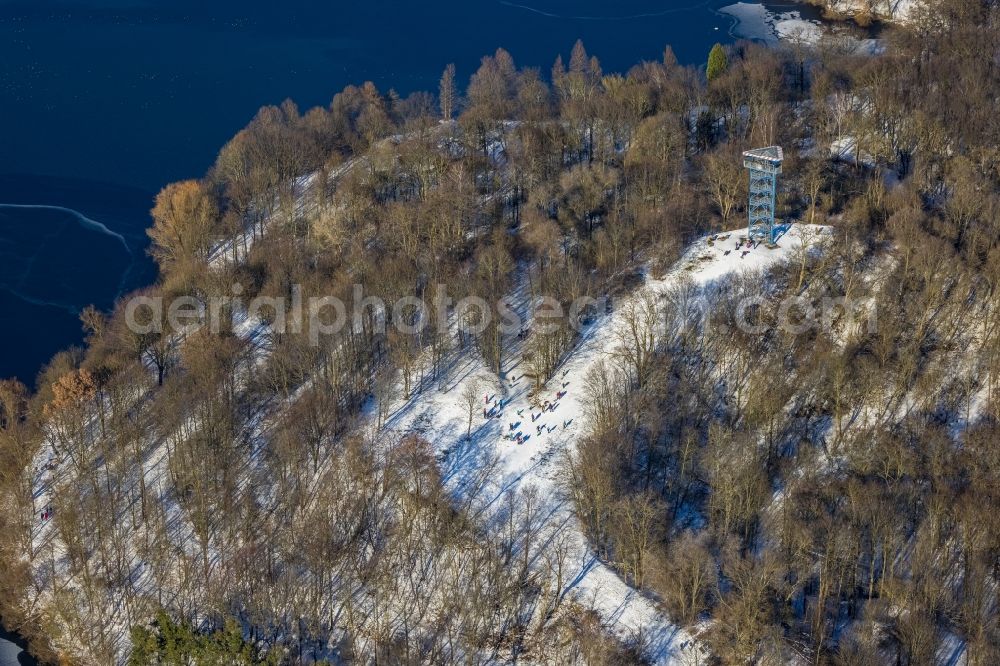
(548, 435)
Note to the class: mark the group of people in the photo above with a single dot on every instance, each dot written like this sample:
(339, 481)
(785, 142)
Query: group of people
(516, 435)
(49, 466)
(750, 243)
(494, 408)
(494, 411)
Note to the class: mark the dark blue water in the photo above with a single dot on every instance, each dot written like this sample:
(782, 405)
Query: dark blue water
(13, 650)
(102, 102)
(85, 244)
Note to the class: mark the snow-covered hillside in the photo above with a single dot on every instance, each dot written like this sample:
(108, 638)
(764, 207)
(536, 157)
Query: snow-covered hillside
(550, 422)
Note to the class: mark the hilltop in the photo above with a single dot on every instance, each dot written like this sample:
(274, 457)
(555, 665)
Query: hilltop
(495, 375)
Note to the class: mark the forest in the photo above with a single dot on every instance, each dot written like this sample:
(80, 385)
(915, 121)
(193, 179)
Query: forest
(248, 493)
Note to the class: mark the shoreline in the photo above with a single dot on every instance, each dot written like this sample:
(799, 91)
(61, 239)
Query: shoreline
(861, 18)
(777, 25)
(15, 648)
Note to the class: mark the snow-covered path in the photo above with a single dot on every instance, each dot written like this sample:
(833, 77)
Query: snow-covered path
(441, 417)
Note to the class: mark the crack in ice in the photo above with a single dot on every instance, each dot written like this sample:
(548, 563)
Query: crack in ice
(86, 223)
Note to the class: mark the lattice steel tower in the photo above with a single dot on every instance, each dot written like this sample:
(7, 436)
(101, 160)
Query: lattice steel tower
(764, 165)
